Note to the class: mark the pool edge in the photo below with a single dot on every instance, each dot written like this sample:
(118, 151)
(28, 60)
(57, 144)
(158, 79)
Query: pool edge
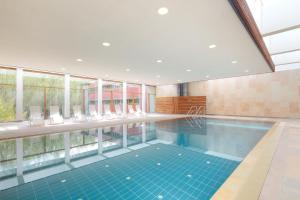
(247, 180)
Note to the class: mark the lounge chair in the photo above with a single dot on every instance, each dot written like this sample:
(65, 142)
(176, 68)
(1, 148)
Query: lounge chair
(93, 113)
(78, 116)
(138, 109)
(119, 111)
(132, 111)
(55, 116)
(36, 118)
(107, 112)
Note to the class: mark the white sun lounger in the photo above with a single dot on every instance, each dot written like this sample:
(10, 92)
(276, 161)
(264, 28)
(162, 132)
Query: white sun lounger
(78, 116)
(55, 116)
(107, 112)
(36, 118)
(93, 113)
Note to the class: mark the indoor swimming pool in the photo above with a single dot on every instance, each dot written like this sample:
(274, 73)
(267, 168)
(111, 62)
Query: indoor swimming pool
(188, 158)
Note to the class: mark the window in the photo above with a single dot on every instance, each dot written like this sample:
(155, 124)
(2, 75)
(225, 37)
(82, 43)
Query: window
(134, 96)
(7, 95)
(7, 158)
(83, 93)
(112, 95)
(150, 99)
(43, 90)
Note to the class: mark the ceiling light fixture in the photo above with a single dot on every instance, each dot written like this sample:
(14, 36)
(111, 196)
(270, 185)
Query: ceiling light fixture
(246, 70)
(63, 69)
(159, 61)
(106, 75)
(157, 76)
(234, 62)
(188, 70)
(179, 80)
(79, 60)
(105, 44)
(127, 70)
(162, 11)
(212, 46)
(207, 76)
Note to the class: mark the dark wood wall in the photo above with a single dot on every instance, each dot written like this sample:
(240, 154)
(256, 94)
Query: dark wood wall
(178, 105)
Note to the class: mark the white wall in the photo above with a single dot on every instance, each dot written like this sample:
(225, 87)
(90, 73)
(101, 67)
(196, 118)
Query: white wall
(166, 91)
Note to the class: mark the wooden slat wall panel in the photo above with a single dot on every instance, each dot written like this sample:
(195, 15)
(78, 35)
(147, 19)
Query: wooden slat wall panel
(178, 105)
(164, 105)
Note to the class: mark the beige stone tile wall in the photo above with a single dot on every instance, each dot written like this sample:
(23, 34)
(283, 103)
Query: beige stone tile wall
(265, 95)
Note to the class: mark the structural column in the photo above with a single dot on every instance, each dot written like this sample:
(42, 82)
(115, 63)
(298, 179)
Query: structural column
(19, 150)
(100, 97)
(67, 96)
(67, 147)
(143, 132)
(19, 94)
(143, 98)
(124, 97)
(100, 145)
(124, 135)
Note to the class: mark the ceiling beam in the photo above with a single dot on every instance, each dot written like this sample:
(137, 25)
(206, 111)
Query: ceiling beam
(283, 52)
(242, 10)
(281, 30)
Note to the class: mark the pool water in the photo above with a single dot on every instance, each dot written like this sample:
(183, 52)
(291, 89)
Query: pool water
(159, 171)
(174, 159)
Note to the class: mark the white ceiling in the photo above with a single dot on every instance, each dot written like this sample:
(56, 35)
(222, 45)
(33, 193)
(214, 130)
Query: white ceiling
(279, 24)
(51, 35)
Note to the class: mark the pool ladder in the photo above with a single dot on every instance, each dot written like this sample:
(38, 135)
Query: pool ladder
(194, 116)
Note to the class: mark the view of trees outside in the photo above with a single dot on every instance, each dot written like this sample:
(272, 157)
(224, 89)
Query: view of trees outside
(42, 90)
(112, 94)
(83, 92)
(7, 95)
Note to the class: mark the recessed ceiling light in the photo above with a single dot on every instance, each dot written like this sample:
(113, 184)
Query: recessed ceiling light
(234, 62)
(179, 80)
(159, 61)
(105, 44)
(63, 69)
(127, 70)
(162, 11)
(246, 70)
(212, 46)
(106, 75)
(137, 80)
(188, 70)
(207, 76)
(157, 76)
(79, 60)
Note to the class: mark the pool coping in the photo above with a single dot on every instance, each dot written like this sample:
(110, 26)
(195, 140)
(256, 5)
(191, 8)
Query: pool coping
(247, 180)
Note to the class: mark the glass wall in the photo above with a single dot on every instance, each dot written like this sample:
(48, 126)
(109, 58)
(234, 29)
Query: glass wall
(7, 95)
(112, 96)
(134, 96)
(134, 133)
(150, 99)
(43, 90)
(83, 93)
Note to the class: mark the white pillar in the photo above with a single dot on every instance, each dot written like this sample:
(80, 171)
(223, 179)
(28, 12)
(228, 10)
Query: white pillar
(19, 150)
(67, 96)
(67, 147)
(124, 97)
(144, 132)
(19, 94)
(100, 145)
(124, 135)
(100, 97)
(143, 98)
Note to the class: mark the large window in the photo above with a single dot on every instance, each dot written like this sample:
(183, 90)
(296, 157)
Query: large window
(134, 96)
(7, 95)
(43, 90)
(112, 95)
(83, 93)
(150, 99)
